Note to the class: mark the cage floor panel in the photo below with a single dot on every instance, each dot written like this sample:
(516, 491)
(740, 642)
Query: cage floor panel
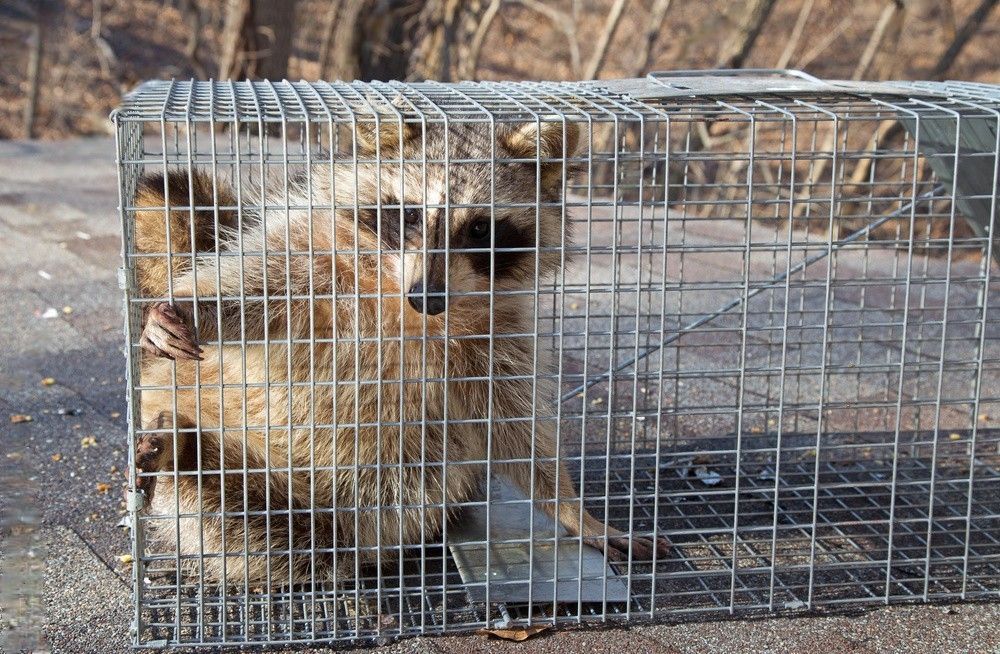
(944, 544)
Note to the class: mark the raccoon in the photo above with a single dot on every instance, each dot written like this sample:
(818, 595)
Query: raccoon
(338, 410)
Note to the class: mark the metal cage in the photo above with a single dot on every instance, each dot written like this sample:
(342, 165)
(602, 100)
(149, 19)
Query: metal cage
(756, 312)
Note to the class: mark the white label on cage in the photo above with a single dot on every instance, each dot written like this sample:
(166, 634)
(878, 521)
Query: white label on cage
(516, 569)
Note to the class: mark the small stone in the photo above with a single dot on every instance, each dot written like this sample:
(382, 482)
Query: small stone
(955, 436)
(116, 414)
(67, 310)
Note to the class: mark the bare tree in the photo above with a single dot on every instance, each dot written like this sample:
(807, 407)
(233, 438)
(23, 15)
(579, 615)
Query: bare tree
(793, 39)
(962, 37)
(326, 39)
(601, 50)
(566, 24)
(43, 14)
(750, 23)
(274, 21)
(371, 39)
(886, 31)
(192, 16)
(470, 64)
(257, 38)
(239, 40)
(657, 16)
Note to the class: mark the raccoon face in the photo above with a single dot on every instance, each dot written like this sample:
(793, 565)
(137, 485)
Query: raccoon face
(486, 217)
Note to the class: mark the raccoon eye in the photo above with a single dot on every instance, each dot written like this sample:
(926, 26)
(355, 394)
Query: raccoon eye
(412, 216)
(479, 229)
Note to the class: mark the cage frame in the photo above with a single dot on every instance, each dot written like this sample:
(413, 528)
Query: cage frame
(647, 106)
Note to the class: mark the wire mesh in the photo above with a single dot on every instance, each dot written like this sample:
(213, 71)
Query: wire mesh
(754, 315)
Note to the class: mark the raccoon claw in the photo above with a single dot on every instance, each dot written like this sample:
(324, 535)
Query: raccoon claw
(166, 335)
(618, 547)
(149, 450)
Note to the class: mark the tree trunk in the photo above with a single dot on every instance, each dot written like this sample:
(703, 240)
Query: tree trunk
(257, 39)
(372, 40)
(470, 64)
(35, 55)
(274, 21)
(239, 41)
(326, 40)
(735, 52)
(443, 34)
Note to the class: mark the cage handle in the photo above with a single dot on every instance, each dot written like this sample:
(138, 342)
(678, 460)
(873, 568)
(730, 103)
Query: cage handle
(736, 72)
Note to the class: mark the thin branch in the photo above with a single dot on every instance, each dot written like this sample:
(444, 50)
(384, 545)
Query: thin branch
(601, 51)
(564, 22)
(885, 19)
(962, 37)
(476, 45)
(656, 18)
(793, 39)
(817, 50)
(735, 52)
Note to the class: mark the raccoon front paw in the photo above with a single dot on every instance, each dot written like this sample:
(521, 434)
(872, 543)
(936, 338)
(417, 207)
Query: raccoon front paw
(166, 335)
(642, 548)
(151, 453)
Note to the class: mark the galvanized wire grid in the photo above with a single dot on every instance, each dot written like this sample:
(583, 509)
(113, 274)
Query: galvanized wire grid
(775, 339)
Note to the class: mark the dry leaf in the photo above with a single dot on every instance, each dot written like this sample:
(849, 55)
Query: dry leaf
(125, 558)
(88, 441)
(116, 414)
(18, 418)
(48, 381)
(955, 436)
(102, 487)
(67, 310)
(57, 457)
(516, 634)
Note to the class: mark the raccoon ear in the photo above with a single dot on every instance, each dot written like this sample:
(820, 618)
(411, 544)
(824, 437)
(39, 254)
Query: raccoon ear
(386, 138)
(390, 132)
(542, 140)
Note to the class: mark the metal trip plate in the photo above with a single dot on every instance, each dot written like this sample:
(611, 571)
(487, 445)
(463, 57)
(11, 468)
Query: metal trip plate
(518, 570)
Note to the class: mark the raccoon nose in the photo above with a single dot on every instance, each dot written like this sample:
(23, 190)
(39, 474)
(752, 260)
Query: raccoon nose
(434, 303)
